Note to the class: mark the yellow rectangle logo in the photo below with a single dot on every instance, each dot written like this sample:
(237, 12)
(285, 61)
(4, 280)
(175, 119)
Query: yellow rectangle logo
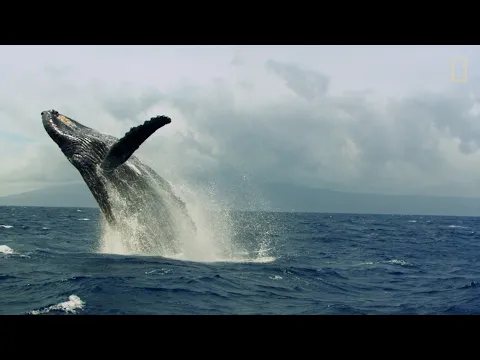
(463, 77)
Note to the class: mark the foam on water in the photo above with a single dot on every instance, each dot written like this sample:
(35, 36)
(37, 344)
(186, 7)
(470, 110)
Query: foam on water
(399, 262)
(213, 241)
(6, 226)
(276, 277)
(457, 227)
(4, 249)
(70, 306)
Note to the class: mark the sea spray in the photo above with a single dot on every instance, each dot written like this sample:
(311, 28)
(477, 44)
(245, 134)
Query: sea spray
(216, 239)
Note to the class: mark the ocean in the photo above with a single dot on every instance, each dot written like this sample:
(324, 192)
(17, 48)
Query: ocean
(62, 261)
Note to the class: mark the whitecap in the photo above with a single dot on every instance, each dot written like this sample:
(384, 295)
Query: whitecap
(457, 227)
(70, 306)
(4, 249)
(366, 263)
(399, 262)
(276, 277)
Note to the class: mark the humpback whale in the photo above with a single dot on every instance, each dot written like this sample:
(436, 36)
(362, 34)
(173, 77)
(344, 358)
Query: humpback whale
(132, 197)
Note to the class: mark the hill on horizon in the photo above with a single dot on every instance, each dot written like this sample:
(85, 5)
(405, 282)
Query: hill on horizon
(281, 197)
(68, 195)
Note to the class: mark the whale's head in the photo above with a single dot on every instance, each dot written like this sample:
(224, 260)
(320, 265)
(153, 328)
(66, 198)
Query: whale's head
(74, 139)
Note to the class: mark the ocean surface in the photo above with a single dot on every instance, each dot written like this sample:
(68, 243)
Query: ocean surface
(55, 261)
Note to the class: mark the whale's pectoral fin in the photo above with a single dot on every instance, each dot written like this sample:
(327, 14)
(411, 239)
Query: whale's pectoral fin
(131, 141)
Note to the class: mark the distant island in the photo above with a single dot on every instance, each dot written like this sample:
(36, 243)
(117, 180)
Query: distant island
(280, 197)
(70, 195)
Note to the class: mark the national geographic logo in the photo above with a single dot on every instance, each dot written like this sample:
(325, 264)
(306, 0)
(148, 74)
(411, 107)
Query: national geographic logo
(459, 69)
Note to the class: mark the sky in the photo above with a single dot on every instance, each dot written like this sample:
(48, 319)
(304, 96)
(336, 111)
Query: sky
(378, 119)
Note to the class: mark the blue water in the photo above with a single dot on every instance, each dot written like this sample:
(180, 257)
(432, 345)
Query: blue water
(315, 264)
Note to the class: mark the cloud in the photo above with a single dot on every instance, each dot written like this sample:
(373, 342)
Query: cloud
(307, 84)
(276, 119)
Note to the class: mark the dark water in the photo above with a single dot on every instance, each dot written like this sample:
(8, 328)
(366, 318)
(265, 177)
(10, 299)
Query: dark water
(322, 264)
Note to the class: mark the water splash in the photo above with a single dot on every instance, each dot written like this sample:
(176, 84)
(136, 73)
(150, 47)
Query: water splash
(218, 238)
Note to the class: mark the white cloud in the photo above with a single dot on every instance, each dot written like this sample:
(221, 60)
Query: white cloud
(383, 119)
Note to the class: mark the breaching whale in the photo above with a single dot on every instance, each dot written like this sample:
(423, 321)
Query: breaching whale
(133, 198)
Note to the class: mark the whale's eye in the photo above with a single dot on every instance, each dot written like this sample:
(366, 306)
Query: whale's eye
(65, 120)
